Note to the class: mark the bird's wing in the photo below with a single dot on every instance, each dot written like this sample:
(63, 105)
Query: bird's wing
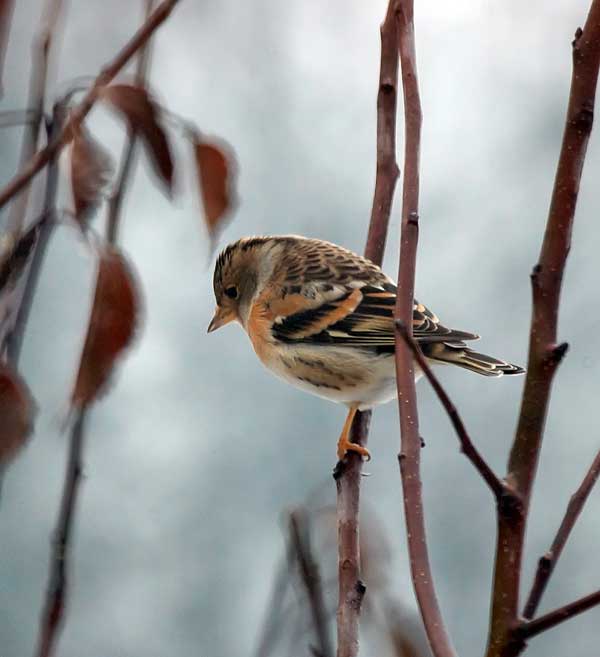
(361, 317)
(324, 294)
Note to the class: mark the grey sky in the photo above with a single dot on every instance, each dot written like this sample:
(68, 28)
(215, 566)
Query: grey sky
(197, 450)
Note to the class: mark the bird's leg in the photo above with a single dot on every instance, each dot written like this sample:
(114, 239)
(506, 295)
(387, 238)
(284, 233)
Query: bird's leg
(344, 444)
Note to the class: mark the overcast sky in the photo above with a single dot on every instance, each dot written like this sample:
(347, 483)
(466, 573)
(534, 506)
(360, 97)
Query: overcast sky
(197, 451)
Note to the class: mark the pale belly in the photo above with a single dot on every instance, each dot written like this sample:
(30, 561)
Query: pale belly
(339, 374)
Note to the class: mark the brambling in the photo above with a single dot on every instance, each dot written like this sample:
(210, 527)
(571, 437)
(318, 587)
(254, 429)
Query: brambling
(322, 318)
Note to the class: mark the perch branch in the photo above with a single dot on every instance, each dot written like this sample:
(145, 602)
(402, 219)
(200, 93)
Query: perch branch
(467, 446)
(348, 472)
(544, 352)
(42, 157)
(548, 562)
(410, 450)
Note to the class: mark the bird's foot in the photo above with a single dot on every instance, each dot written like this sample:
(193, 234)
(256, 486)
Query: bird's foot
(344, 445)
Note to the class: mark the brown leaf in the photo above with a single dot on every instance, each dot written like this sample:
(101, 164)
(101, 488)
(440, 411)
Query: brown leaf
(216, 170)
(91, 172)
(17, 410)
(111, 327)
(142, 115)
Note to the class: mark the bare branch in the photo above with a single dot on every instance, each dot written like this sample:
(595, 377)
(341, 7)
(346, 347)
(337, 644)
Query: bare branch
(54, 606)
(20, 300)
(548, 562)
(410, 451)
(348, 472)
(42, 157)
(552, 619)
(6, 12)
(35, 102)
(544, 352)
(467, 446)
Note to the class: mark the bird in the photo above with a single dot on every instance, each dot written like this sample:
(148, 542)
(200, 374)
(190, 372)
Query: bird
(321, 317)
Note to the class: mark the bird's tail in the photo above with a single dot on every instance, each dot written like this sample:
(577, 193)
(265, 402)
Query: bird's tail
(459, 354)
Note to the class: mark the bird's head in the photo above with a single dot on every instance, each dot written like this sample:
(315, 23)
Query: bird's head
(240, 268)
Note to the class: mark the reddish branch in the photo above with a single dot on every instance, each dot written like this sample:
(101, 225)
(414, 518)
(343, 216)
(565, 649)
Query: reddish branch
(42, 157)
(544, 352)
(547, 563)
(348, 472)
(410, 450)
(347, 475)
(467, 446)
(552, 619)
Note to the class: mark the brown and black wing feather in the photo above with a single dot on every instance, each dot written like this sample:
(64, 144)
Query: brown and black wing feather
(370, 325)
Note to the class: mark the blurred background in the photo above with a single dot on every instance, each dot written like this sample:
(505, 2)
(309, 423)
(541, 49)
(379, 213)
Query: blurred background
(197, 453)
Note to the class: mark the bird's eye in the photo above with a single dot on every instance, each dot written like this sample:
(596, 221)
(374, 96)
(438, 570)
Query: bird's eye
(232, 292)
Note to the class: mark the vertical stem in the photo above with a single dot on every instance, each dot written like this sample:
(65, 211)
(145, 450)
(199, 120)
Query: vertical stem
(54, 607)
(35, 105)
(544, 352)
(410, 450)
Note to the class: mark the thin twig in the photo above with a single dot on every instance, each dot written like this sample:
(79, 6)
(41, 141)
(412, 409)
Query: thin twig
(410, 449)
(553, 618)
(6, 13)
(129, 154)
(351, 589)
(55, 600)
(548, 562)
(21, 299)
(42, 157)
(309, 570)
(41, 49)
(467, 446)
(544, 352)
(54, 605)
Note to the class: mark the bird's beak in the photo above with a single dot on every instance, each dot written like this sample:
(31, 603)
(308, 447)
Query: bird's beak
(222, 316)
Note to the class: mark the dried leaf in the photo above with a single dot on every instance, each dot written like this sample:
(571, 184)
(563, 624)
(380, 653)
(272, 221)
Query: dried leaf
(91, 171)
(142, 115)
(216, 169)
(111, 328)
(17, 410)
